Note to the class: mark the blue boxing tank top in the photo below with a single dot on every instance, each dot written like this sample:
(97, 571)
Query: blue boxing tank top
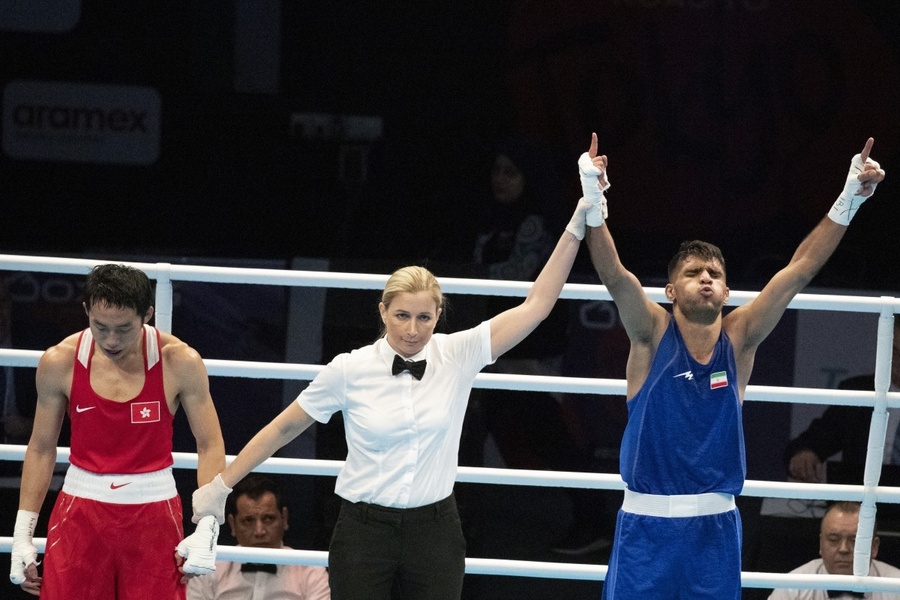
(684, 433)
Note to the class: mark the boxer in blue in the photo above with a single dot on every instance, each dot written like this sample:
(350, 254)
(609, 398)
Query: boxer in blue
(678, 533)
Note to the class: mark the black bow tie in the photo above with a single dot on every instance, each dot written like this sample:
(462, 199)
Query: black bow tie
(839, 593)
(259, 567)
(416, 367)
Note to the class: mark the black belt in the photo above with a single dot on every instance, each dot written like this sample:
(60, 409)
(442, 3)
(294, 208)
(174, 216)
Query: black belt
(364, 510)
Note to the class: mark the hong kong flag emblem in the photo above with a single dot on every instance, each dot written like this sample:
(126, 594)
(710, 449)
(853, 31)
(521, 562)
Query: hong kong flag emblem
(145, 412)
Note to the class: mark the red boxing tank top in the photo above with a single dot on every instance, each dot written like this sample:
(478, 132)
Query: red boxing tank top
(120, 437)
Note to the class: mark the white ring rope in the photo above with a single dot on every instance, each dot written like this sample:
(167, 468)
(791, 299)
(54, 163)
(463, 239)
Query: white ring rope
(869, 493)
(507, 381)
(363, 281)
(573, 479)
(546, 570)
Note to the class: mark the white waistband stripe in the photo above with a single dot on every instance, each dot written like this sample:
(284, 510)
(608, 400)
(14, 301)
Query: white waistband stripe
(688, 505)
(139, 488)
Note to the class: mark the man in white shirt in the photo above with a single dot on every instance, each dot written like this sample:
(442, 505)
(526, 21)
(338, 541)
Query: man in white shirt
(837, 540)
(258, 518)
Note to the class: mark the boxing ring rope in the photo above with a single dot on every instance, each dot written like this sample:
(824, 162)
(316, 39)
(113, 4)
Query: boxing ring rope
(869, 492)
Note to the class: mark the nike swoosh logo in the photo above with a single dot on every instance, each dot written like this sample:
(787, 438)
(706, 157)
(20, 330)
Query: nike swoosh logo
(115, 486)
(79, 409)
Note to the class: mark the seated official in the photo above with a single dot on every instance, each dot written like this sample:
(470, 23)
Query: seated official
(837, 540)
(258, 518)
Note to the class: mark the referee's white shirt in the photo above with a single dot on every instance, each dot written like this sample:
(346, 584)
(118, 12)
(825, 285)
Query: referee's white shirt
(402, 434)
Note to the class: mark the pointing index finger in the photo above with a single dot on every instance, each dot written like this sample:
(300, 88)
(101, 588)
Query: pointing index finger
(864, 155)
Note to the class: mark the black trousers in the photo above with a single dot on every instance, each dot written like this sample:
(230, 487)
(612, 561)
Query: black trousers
(414, 553)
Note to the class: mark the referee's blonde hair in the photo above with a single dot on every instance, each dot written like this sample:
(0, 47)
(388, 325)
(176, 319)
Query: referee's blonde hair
(412, 280)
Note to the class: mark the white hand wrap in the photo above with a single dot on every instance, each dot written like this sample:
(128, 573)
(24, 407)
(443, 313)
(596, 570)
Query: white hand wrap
(210, 500)
(845, 207)
(599, 214)
(24, 552)
(593, 183)
(199, 548)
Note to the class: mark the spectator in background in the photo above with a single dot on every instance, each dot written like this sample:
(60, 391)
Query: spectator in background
(837, 541)
(514, 238)
(258, 518)
(845, 429)
(516, 233)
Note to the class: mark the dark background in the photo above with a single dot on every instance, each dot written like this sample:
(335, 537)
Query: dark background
(731, 121)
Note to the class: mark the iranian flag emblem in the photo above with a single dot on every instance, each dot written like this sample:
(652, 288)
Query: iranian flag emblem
(718, 379)
(145, 412)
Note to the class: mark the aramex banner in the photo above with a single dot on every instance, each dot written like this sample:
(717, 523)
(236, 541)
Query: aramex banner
(81, 122)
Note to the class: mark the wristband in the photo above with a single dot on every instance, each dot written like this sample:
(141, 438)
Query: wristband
(596, 215)
(26, 520)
